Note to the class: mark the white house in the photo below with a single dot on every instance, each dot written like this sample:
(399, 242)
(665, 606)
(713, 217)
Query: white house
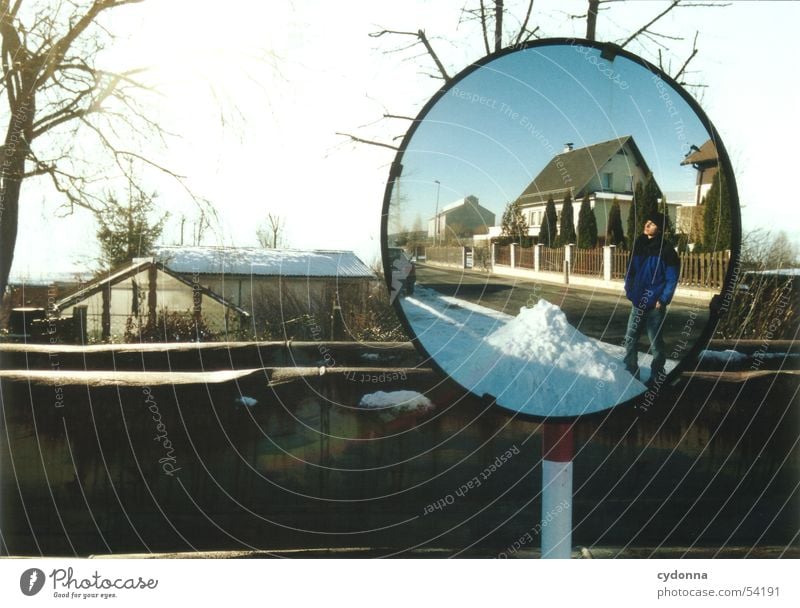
(605, 171)
(462, 218)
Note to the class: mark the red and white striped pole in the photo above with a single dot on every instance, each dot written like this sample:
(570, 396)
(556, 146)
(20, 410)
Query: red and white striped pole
(558, 448)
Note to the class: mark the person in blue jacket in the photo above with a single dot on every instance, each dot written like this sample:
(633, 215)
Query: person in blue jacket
(650, 284)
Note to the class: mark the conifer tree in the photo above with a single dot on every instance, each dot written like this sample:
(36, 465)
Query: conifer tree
(614, 233)
(567, 229)
(635, 213)
(548, 232)
(126, 230)
(587, 225)
(717, 216)
(649, 202)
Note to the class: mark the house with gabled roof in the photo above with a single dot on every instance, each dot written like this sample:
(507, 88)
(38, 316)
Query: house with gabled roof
(460, 219)
(705, 161)
(605, 171)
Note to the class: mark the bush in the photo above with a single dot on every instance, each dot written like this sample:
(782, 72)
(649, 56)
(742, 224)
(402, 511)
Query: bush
(170, 326)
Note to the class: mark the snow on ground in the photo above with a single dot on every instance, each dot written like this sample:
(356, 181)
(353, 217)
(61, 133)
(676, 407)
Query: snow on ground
(393, 403)
(536, 362)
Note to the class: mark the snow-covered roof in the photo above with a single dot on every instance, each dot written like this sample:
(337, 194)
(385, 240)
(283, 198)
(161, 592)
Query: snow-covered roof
(135, 267)
(263, 262)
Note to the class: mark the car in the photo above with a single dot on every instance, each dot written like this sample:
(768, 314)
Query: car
(403, 269)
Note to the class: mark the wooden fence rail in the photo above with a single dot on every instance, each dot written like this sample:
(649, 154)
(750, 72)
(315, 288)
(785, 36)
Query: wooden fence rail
(588, 262)
(704, 269)
(524, 257)
(619, 263)
(502, 255)
(552, 259)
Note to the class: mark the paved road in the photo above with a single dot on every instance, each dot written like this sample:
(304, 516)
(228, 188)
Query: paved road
(598, 314)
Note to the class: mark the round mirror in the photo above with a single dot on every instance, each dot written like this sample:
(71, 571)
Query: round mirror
(557, 223)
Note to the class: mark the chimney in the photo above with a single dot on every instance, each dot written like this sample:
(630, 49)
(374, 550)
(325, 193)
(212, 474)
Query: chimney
(567, 148)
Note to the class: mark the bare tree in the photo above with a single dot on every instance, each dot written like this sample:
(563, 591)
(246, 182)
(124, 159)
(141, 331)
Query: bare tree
(271, 234)
(56, 98)
(502, 27)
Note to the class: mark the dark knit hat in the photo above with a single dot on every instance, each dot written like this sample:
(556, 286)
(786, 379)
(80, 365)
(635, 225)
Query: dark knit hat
(657, 218)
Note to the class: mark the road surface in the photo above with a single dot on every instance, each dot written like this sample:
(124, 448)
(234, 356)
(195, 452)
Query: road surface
(598, 314)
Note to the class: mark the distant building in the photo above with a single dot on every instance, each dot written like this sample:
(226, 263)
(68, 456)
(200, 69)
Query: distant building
(706, 161)
(605, 171)
(463, 218)
(42, 291)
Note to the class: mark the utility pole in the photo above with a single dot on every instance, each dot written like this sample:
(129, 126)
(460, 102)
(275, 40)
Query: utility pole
(436, 216)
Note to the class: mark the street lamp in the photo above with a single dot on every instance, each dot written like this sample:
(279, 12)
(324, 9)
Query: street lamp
(436, 215)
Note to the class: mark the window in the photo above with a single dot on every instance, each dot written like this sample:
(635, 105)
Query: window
(608, 180)
(629, 183)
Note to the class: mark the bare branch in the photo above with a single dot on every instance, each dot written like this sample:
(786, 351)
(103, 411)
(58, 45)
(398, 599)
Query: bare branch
(672, 5)
(54, 55)
(422, 38)
(524, 25)
(367, 141)
(682, 70)
(484, 28)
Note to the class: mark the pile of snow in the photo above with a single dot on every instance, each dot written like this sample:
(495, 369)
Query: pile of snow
(536, 362)
(393, 403)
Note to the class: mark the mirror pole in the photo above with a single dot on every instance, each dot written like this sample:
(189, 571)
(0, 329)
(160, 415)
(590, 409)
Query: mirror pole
(558, 448)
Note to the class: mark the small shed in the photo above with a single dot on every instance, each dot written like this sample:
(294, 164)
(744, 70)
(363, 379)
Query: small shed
(144, 292)
(288, 292)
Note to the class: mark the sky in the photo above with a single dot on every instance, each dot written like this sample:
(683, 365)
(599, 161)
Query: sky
(495, 129)
(257, 92)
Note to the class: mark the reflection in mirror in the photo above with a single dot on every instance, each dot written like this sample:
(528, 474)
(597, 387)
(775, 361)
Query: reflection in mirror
(557, 228)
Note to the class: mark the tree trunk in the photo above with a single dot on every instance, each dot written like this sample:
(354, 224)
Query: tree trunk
(591, 19)
(9, 216)
(12, 168)
(498, 25)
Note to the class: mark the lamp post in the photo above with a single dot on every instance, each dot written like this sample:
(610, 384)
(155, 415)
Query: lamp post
(436, 215)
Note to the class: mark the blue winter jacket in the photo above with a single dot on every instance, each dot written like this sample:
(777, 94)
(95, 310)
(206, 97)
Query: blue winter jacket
(652, 273)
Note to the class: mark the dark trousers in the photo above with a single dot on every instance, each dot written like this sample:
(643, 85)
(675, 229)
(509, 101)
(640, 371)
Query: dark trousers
(653, 321)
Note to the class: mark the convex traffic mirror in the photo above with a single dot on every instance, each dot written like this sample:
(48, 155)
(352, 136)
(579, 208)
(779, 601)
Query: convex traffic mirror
(556, 225)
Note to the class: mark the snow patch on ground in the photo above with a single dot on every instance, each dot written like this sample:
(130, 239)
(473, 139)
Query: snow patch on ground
(536, 362)
(393, 403)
